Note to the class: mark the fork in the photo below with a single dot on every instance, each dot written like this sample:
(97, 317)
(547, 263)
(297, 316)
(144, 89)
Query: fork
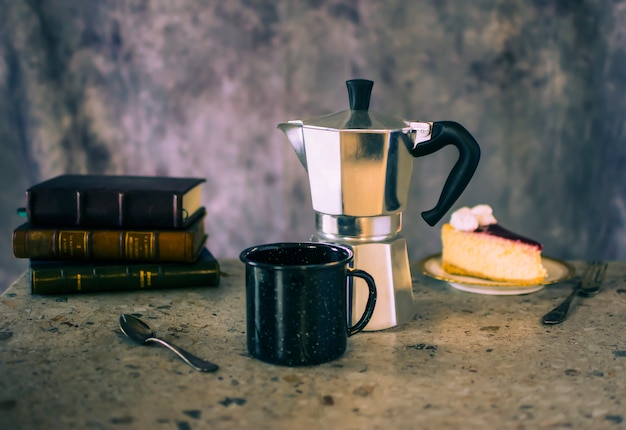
(588, 286)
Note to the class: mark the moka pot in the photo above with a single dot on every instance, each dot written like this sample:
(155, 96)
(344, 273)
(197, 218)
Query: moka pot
(359, 164)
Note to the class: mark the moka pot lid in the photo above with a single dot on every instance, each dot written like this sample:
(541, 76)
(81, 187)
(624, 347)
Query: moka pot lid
(358, 117)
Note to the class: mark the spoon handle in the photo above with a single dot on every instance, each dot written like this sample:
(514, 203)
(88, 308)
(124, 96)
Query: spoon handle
(195, 362)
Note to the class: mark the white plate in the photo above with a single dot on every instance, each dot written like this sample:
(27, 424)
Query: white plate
(557, 271)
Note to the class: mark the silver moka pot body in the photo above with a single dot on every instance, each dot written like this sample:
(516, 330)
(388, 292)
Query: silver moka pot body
(359, 164)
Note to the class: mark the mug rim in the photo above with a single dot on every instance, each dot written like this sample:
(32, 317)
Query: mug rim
(244, 256)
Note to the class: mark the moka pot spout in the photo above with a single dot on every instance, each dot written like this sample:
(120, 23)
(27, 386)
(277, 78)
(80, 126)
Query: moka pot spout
(295, 133)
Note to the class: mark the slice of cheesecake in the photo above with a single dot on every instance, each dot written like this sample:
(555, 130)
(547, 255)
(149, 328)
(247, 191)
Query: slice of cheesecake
(474, 244)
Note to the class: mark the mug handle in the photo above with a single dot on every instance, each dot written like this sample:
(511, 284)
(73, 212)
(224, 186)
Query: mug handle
(371, 300)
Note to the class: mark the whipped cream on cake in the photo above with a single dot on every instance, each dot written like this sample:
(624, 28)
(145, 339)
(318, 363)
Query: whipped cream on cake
(474, 244)
(469, 219)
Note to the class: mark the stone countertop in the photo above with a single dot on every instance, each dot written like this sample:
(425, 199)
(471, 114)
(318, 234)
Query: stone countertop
(465, 361)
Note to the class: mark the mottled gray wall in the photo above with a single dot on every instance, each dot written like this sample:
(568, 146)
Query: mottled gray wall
(197, 87)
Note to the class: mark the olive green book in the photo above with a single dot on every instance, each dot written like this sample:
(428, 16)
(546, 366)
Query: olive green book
(67, 277)
(39, 242)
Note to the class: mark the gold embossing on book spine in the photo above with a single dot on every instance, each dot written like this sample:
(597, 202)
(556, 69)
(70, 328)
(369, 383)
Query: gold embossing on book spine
(139, 245)
(72, 244)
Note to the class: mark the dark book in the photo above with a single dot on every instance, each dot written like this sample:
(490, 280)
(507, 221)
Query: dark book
(72, 243)
(66, 277)
(115, 201)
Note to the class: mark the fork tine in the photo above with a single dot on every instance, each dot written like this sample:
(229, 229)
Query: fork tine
(593, 278)
(600, 273)
(589, 272)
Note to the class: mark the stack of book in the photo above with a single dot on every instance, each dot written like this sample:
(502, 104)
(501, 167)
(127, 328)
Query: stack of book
(88, 233)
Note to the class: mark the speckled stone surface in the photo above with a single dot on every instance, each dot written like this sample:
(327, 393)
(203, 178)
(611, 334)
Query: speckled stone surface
(464, 361)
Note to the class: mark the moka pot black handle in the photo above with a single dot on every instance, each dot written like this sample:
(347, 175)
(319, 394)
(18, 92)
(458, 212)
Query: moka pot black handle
(450, 133)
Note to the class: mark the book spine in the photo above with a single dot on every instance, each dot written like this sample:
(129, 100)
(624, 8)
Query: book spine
(109, 208)
(68, 279)
(106, 245)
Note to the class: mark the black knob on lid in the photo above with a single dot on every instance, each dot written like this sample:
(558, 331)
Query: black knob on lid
(359, 93)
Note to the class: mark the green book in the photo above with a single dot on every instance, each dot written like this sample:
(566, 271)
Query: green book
(67, 277)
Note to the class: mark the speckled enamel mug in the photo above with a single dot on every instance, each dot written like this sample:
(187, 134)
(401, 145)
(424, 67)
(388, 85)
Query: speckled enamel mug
(297, 302)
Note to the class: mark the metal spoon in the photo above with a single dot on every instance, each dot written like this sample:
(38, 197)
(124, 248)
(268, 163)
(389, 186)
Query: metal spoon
(141, 333)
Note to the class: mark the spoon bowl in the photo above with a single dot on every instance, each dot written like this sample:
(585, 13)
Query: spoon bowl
(142, 334)
(137, 330)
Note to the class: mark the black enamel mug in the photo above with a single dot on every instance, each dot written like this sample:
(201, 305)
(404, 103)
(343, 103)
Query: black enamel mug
(297, 302)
